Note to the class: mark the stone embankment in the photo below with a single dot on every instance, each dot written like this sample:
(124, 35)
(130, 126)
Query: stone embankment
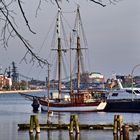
(21, 91)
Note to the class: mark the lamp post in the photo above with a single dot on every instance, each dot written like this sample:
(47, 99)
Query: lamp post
(48, 87)
(132, 77)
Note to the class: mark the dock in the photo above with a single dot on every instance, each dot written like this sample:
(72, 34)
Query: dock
(118, 128)
(132, 127)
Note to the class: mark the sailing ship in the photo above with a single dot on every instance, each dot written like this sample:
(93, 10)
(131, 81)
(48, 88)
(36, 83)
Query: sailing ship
(75, 100)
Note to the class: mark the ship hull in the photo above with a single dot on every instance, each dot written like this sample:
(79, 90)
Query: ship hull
(69, 109)
(72, 107)
(122, 106)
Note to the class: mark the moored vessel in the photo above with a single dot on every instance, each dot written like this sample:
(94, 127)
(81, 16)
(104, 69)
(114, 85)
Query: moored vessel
(123, 99)
(79, 99)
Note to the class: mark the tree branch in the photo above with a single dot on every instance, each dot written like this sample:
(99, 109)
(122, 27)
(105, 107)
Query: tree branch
(97, 2)
(25, 42)
(21, 9)
(57, 4)
(9, 30)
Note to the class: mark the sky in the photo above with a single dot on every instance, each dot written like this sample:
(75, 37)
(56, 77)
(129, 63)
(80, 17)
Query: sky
(112, 33)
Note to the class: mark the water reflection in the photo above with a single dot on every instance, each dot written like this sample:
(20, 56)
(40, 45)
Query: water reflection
(36, 136)
(74, 136)
(118, 136)
(33, 136)
(49, 135)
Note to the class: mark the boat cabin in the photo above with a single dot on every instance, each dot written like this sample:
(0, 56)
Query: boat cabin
(124, 94)
(81, 97)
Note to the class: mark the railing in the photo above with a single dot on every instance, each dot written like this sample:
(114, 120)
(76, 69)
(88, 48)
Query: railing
(132, 78)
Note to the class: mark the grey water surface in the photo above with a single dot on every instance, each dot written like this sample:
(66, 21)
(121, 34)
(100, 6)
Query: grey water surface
(15, 109)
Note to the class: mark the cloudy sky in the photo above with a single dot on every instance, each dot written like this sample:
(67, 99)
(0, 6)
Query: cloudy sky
(112, 32)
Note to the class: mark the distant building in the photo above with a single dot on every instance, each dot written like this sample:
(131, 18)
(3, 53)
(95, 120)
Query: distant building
(96, 77)
(94, 80)
(127, 80)
(5, 82)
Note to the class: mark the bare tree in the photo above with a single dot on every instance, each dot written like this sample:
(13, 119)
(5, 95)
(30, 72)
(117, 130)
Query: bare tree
(10, 28)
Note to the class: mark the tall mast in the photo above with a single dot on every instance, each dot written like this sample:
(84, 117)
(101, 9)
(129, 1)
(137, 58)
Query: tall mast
(78, 50)
(59, 50)
(59, 54)
(77, 29)
(78, 63)
(70, 67)
(48, 81)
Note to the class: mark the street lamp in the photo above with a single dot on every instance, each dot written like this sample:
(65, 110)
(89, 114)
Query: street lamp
(132, 77)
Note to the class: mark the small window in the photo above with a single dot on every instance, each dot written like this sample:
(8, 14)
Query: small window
(137, 91)
(129, 91)
(115, 94)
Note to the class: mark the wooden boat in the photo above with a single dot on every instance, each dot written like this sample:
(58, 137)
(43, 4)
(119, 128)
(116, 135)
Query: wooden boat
(76, 102)
(73, 100)
(79, 100)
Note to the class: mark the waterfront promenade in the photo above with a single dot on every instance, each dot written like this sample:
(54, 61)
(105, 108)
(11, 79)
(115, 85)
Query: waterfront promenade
(21, 91)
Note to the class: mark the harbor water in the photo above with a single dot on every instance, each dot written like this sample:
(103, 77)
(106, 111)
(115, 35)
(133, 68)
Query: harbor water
(15, 109)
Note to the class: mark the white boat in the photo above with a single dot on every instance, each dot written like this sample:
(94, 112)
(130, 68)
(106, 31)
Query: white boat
(123, 99)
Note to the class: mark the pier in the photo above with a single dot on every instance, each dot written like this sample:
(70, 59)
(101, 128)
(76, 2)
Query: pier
(67, 126)
(132, 127)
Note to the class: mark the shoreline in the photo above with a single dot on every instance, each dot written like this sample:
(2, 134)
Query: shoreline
(21, 91)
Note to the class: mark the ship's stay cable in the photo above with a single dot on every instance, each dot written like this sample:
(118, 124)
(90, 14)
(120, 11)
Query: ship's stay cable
(64, 35)
(42, 45)
(46, 36)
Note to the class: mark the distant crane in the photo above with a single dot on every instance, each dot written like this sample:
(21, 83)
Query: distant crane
(15, 75)
(9, 73)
